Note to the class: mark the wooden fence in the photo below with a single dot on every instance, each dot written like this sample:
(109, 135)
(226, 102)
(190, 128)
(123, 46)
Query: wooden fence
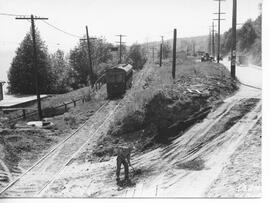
(24, 113)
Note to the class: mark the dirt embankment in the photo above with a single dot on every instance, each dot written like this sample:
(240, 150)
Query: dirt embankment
(157, 109)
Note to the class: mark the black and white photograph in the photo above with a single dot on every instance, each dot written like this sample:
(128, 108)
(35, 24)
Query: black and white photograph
(128, 99)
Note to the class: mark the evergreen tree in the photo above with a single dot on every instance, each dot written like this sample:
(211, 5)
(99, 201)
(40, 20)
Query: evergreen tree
(79, 62)
(21, 74)
(247, 35)
(60, 72)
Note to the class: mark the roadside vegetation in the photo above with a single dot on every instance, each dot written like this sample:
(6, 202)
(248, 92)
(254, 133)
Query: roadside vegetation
(58, 72)
(157, 109)
(249, 40)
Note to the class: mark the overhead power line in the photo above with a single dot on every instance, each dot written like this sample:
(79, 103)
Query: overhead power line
(53, 26)
(10, 14)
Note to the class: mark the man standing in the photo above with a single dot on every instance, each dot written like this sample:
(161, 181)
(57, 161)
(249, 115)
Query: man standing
(123, 157)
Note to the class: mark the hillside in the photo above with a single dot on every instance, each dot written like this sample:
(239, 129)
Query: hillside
(200, 43)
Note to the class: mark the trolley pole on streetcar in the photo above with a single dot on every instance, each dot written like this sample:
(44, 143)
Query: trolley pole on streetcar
(91, 73)
(233, 50)
(174, 52)
(35, 60)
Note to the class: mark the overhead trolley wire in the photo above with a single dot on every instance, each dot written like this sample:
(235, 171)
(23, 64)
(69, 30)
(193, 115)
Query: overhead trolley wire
(67, 33)
(10, 14)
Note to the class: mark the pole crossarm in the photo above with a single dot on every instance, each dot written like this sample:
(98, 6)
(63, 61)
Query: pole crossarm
(91, 38)
(29, 18)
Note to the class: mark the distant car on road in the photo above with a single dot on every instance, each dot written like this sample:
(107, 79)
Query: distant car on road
(207, 57)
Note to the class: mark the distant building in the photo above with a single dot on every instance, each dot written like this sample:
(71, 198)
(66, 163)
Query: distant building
(1, 90)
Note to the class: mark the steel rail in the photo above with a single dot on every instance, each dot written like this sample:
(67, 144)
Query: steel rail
(76, 153)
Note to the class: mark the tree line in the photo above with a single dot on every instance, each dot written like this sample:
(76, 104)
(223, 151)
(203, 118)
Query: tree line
(59, 72)
(248, 40)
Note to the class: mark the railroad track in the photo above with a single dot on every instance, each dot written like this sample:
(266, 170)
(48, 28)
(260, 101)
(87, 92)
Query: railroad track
(38, 177)
(42, 174)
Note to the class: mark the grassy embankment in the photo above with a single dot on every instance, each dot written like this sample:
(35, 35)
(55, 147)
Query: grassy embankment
(157, 109)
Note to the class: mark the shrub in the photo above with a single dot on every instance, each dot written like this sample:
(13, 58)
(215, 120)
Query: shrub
(137, 56)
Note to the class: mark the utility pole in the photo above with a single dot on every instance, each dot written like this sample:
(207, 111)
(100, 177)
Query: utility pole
(174, 52)
(32, 18)
(120, 47)
(162, 46)
(219, 13)
(213, 40)
(147, 47)
(160, 55)
(233, 50)
(193, 48)
(161, 52)
(153, 54)
(89, 56)
(210, 41)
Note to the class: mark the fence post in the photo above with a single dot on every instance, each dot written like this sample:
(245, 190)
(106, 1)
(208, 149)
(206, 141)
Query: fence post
(24, 115)
(74, 102)
(65, 107)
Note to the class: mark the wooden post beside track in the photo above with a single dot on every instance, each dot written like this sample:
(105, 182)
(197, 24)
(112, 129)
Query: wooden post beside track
(174, 53)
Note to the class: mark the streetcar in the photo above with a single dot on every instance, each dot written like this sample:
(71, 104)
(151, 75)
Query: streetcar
(118, 80)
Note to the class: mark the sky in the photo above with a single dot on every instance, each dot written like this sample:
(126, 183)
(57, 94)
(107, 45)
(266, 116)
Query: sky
(139, 20)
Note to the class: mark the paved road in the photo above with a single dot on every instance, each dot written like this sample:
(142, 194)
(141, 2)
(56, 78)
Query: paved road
(251, 74)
